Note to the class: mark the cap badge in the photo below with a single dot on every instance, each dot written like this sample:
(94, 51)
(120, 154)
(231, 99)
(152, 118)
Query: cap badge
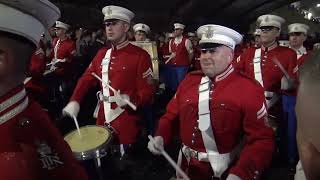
(296, 28)
(142, 26)
(209, 33)
(109, 11)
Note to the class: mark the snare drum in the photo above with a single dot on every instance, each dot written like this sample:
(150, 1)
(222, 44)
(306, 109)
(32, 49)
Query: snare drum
(92, 144)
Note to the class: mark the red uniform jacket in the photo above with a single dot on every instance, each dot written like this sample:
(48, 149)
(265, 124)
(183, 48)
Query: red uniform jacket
(235, 105)
(127, 67)
(66, 50)
(182, 55)
(31, 147)
(302, 58)
(271, 73)
(35, 86)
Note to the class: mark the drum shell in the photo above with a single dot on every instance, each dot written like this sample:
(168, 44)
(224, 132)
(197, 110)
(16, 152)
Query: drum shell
(98, 152)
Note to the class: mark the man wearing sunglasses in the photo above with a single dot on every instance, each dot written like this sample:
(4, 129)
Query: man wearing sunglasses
(215, 108)
(273, 67)
(297, 36)
(127, 69)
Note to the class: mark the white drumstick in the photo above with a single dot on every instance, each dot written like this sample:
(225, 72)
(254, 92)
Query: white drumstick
(166, 62)
(77, 125)
(276, 61)
(171, 161)
(134, 107)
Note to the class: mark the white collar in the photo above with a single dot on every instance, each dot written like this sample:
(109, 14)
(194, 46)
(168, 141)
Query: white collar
(178, 40)
(224, 74)
(302, 50)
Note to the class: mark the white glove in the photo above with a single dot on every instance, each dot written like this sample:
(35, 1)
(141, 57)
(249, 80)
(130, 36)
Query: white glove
(287, 84)
(233, 177)
(121, 99)
(71, 109)
(156, 145)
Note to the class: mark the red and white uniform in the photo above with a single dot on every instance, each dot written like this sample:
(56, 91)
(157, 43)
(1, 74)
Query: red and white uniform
(302, 55)
(63, 50)
(130, 71)
(31, 147)
(233, 114)
(182, 46)
(270, 72)
(35, 85)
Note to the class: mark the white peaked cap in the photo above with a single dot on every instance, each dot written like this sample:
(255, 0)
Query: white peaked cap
(270, 20)
(117, 12)
(298, 27)
(219, 35)
(257, 32)
(141, 27)
(62, 25)
(178, 26)
(27, 18)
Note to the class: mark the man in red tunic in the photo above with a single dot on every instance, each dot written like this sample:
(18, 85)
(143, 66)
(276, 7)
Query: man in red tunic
(31, 147)
(297, 36)
(63, 51)
(181, 55)
(126, 68)
(62, 56)
(214, 118)
(273, 67)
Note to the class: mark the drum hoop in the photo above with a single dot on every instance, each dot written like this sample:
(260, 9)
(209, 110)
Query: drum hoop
(88, 154)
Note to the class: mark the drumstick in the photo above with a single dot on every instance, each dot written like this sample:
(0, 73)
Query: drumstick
(170, 160)
(166, 62)
(276, 61)
(134, 107)
(77, 125)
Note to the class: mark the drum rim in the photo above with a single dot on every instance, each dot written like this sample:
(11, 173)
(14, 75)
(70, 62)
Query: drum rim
(91, 154)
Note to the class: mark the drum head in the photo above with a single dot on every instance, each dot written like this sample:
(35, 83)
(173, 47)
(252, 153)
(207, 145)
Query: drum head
(92, 138)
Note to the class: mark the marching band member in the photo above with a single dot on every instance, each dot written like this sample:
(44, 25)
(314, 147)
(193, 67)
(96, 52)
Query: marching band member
(126, 68)
(213, 117)
(141, 31)
(181, 55)
(273, 67)
(31, 148)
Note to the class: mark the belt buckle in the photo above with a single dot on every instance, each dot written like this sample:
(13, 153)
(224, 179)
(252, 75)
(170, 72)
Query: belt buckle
(187, 152)
(194, 154)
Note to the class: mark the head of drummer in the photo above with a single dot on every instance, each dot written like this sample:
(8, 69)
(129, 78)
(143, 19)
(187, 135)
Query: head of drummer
(117, 23)
(22, 24)
(217, 46)
(270, 26)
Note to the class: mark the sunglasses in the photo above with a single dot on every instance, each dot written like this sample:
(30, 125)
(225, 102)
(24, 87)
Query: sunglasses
(267, 28)
(111, 23)
(295, 34)
(210, 50)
